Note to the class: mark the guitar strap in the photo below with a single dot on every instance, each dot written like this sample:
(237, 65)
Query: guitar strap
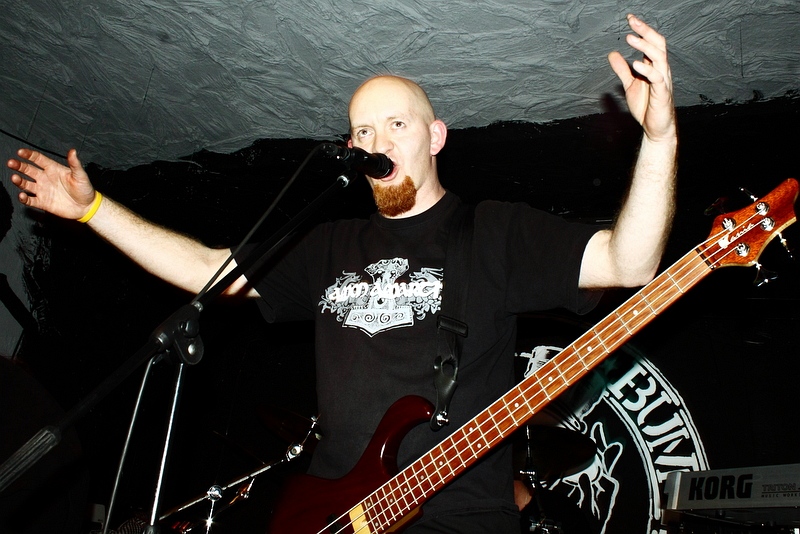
(451, 327)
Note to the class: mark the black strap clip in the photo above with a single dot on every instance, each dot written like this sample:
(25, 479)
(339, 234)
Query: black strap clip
(446, 367)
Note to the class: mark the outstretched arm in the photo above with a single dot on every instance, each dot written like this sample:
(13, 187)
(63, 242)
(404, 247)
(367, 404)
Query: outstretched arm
(67, 192)
(629, 254)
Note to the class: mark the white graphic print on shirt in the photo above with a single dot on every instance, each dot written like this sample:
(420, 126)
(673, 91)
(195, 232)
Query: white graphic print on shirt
(385, 303)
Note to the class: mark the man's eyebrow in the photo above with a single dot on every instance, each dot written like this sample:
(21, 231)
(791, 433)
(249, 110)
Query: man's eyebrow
(403, 115)
(389, 118)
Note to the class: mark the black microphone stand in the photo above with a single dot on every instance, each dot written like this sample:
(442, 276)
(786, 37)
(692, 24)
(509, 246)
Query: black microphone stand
(180, 335)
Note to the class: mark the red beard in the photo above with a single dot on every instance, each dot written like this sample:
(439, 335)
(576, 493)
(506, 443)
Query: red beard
(395, 200)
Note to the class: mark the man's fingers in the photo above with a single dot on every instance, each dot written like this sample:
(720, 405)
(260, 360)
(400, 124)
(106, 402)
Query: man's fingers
(73, 161)
(620, 68)
(649, 42)
(650, 53)
(647, 33)
(27, 170)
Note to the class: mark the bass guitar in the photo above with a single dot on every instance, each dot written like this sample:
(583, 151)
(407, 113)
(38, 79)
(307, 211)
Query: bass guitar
(375, 498)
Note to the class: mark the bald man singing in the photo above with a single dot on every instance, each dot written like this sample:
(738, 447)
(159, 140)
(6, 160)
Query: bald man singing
(374, 288)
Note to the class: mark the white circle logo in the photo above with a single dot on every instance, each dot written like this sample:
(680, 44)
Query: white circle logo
(641, 429)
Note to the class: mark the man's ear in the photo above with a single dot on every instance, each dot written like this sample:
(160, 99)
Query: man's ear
(438, 131)
(350, 142)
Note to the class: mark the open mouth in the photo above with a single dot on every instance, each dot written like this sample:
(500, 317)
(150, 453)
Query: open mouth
(389, 177)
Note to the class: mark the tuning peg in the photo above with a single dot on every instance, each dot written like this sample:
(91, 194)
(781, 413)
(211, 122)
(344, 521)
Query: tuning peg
(718, 207)
(764, 276)
(748, 193)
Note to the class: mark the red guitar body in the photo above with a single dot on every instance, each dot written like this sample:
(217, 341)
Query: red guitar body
(311, 505)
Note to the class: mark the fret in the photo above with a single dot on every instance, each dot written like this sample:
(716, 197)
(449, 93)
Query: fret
(612, 333)
(449, 459)
(668, 275)
(556, 377)
(402, 497)
(586, 351)
(635, 313)
(524, 402)
(376, 504)
(390, 507)
(551, 381)
(437, 481)
(559, 369)
(389, 498)
(387, 511)
(379, 513)
(572, 368)
(682, 276)
(424, 484)
(621, 320)
(390, 510)
(425, 478)
(601, 339)
(415, 490)
(571, 350)
(462, 440)
(369, 505)
(660, 301)
(398, 497)
(442, 461)
(437, 460)
(489, 427)
(520, 401)
(473, 445)
(508, 408)
(502, 420)
(541, 390)
(688, 271)
(434, 483)
(537, 397)
(369, 516)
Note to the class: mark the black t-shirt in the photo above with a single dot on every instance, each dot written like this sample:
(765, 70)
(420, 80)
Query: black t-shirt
(373, 288)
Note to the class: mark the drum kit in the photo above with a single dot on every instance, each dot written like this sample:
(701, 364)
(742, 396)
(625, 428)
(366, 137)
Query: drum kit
(542, 455)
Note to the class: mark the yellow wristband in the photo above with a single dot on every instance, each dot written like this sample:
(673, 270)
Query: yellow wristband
(98, 198)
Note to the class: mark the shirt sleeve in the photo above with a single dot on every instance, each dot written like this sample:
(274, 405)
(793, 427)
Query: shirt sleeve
(282, 281)
(541, 257)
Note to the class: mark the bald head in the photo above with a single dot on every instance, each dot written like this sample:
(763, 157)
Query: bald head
(394, 89)
(393, 116)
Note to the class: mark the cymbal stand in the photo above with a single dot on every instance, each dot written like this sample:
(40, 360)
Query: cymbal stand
(542, 525)
(243, 484)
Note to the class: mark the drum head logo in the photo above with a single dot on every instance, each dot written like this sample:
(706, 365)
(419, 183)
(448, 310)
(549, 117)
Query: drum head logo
(641, 430)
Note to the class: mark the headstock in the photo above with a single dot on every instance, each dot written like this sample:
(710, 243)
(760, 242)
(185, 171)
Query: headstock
(739, 237)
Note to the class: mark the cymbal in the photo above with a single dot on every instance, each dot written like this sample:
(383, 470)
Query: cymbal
(551, 452)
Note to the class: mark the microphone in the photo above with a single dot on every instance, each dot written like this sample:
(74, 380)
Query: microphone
(375, 165)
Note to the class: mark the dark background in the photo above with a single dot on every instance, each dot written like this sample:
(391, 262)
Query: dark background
(728, 347)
